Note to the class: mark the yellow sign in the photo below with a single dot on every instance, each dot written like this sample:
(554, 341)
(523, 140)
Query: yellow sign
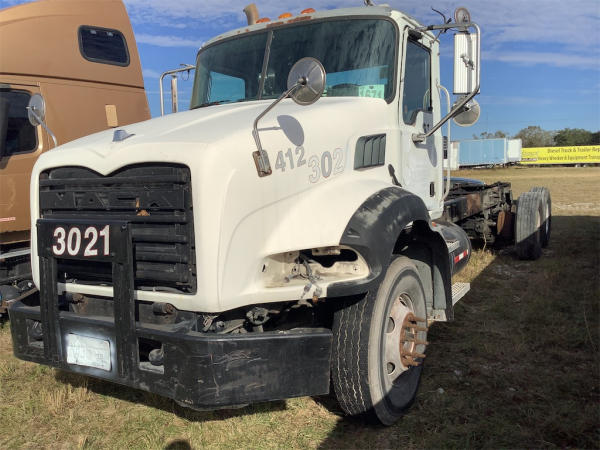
(582, 154)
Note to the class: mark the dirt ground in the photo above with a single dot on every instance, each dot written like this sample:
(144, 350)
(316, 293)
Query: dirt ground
(517, 368)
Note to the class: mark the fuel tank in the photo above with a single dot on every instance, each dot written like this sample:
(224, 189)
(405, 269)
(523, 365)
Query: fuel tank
(459, 244)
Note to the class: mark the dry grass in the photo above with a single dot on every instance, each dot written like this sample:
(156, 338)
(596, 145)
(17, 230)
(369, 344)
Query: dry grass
(517, 368)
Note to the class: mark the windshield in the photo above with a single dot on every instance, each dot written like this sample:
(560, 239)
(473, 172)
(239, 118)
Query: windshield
(359, 56)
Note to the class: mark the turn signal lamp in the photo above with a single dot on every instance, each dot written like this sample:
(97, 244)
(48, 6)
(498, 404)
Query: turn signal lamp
(263, 20)
(307, 11)
(285, 15)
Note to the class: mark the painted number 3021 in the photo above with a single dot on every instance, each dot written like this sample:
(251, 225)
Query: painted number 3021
(72, 241)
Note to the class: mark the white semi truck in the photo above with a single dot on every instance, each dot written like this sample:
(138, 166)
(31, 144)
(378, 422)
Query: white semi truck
(293, 227)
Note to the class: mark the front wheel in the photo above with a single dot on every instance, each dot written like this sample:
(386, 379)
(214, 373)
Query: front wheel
(379, 346)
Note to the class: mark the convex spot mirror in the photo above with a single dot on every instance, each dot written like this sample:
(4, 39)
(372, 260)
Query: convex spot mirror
(36, 110)
(308, 74)
(469, 114)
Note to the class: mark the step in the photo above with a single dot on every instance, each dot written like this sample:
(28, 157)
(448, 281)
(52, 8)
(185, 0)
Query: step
(459, 290)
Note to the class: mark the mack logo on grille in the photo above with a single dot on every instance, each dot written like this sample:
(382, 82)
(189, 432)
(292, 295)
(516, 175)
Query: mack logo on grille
(111, 200)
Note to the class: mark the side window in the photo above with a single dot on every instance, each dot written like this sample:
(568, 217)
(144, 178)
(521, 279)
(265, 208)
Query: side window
(417, 81)
(102, 45)
(21, 136)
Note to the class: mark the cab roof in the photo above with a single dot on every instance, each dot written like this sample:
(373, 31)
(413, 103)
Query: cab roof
(41, 39)
(363, 11)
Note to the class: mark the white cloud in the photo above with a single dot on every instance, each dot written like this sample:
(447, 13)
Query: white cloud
(546, 58)
(549, 32)
(510, 20)
(515, 101)
(166, 41)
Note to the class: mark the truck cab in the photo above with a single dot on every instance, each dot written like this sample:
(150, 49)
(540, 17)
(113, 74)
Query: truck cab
(288, 230)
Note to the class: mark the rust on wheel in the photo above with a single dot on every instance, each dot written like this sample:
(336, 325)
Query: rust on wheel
(405, 338)
(409, 339)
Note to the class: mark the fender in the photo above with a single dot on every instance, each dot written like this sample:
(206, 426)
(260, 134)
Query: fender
(373, 231)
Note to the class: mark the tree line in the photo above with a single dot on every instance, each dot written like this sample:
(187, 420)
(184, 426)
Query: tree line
(534, 136)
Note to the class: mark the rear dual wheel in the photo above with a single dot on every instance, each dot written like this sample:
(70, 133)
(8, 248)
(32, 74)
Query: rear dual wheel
(528, 241)
(533, 223)
(379, 345)
(546, 225)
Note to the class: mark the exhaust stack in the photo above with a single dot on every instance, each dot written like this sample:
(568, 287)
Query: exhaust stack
(251, 13)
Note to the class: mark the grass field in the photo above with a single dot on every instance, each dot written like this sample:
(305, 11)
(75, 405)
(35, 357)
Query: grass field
(519, 367)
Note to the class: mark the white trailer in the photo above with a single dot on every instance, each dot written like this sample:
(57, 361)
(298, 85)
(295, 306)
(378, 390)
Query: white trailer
(452, 157)
(514, 150)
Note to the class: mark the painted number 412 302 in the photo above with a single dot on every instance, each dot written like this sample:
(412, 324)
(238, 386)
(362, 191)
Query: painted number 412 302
(92, 241)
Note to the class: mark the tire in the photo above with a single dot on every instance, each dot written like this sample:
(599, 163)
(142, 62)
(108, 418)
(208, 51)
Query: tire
(528, 244)
(546, 227)
(371, 377)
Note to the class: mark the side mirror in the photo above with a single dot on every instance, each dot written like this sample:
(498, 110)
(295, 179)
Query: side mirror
(305, 84)
(466, 61)
(4, 107)
(467, 57)
(36, 112)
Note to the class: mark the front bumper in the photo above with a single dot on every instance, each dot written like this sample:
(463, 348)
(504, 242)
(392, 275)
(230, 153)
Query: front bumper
(199, 370)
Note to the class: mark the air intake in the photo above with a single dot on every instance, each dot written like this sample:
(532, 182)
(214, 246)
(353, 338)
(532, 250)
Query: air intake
(370, 151)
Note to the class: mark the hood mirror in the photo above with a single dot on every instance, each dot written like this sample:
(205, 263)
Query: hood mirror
(309, 75)
(36, 112)
(305, 84)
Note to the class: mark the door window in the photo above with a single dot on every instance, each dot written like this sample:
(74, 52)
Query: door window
(21, 136)
(417, 81)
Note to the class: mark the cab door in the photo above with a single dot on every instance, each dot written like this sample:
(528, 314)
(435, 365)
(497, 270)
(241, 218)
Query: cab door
(23, 143)
(420, 161)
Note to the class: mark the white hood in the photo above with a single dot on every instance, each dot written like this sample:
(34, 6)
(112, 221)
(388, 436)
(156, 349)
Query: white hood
(240, 218)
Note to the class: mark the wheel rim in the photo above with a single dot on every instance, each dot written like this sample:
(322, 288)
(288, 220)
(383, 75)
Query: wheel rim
(404, 339)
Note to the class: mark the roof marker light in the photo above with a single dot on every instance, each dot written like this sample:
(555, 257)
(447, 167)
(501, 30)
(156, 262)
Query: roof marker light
(307, 11)
(263, 20)
(285, 15)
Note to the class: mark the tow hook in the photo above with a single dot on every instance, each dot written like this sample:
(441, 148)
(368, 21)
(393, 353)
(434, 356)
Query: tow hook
(157, 356)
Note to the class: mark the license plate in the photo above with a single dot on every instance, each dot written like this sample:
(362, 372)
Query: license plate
(88, 241)
(88, 351)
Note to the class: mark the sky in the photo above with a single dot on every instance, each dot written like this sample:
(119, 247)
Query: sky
(540, 58)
